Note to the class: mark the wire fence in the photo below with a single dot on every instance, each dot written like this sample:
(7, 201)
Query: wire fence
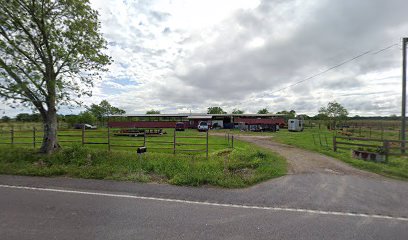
(111, 138)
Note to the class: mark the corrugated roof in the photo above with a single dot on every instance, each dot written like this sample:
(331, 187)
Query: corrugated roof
(200, 117)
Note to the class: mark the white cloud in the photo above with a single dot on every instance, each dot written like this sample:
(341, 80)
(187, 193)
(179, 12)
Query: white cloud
(187, 55)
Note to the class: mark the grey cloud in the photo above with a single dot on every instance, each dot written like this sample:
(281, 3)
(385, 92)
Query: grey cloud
(345, 83)
(323, 35)
(159, 16)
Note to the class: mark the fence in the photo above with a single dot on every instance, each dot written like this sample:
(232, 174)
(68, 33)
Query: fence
(386, 147)
(176, 143)
(321, 139)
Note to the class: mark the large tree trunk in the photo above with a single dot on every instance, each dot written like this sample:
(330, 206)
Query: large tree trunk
(50, 140)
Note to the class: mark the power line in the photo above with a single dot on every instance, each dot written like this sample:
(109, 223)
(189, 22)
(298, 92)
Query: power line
(336, 66)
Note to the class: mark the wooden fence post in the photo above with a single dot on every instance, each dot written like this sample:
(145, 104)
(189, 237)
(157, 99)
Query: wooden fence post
(12, 135)
(232, 141)
(382, 132)
(206, 150)
(34, 137)
(109, 143)
(83, 135)
(334, 144)
(144, 139)
(228, 139)
(174, 141)
(386, 147)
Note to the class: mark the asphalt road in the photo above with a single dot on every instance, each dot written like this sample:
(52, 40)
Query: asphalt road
(63, 208)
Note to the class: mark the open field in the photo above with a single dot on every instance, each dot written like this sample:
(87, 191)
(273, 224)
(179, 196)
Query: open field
(186, 141)
(241, 166)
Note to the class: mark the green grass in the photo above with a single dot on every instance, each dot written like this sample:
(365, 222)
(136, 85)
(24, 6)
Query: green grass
(242, 166)
(99, 138)
(396, 167)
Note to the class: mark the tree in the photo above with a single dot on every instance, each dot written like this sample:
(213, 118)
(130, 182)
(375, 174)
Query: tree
(289, 114)
(23, 117)
(71, 120)
(152, 111)
(263, 111)
(103, 110)
(237, 111)
(394, 117)
(334, 112)
(86, 117)
(50, 53)
(5, 119)
(215, 110)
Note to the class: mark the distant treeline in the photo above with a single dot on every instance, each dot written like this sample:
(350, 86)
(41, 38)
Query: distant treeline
(387, 118)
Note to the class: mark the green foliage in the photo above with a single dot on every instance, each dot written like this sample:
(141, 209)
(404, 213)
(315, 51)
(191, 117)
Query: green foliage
(50, 49)
(26, 117)
(237, 111)
(263, 111)
(104, 109)
(83, 117)
(152, 111)
(86, 117)
(289, 114)
(5, 119)
(396, 167)
(241, 167)
(334, 112)
(215, 110)
(50, 53)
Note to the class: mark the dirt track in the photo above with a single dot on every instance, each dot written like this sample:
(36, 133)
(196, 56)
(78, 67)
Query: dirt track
(303, 161)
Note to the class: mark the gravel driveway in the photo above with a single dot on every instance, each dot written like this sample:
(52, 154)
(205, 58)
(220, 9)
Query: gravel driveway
(303, 161)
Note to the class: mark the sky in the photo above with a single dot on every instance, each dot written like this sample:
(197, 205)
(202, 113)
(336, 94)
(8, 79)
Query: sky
(187, 55)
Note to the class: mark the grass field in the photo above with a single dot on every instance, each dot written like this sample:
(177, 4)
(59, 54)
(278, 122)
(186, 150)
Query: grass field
(98, 139)
(241, 166)
(314, 139)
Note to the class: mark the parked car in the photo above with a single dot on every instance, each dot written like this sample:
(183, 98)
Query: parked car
(203, 126)
(180, 126)
(84, 125)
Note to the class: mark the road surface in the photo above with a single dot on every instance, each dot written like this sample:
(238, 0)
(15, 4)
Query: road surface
(327, 200)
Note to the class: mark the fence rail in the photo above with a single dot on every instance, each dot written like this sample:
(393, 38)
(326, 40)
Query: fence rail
(89, 137)
(384, 146)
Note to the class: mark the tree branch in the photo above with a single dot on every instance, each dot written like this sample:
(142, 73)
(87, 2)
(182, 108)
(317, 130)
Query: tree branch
(19, 24)
(25, 54)
(39, 88)
(25, 90)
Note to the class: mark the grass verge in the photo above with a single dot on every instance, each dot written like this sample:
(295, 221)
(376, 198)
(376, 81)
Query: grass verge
(243, 166)
(315, 140)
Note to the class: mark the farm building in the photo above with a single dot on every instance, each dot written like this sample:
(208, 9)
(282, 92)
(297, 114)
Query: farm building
(191, 120)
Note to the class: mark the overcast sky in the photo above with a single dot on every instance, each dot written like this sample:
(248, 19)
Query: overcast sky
(182, 55)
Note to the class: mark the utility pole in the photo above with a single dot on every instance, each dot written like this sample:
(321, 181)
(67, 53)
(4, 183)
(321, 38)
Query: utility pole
(404, 91)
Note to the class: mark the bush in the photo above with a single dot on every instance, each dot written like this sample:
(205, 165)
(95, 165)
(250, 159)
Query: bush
(244, 166)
